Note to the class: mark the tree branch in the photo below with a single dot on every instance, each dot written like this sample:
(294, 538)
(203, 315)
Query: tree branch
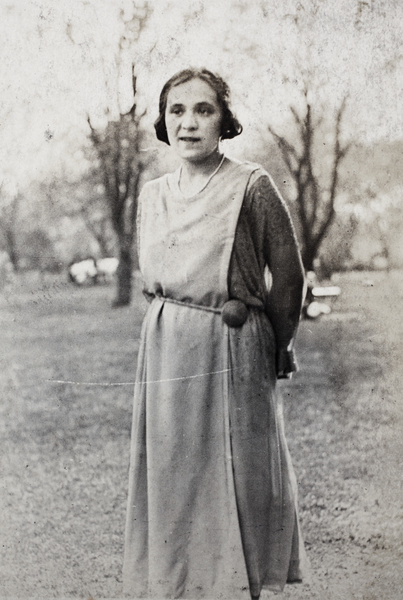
(315, 206)
(287, 150)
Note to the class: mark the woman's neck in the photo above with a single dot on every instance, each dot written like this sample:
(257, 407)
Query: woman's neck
(205, 167)
(194, 176)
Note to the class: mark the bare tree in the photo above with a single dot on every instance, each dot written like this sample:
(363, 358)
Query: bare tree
(118, 150)
(117, 147)
(315, 200)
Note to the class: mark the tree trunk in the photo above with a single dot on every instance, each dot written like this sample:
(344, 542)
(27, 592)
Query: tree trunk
(12, 248)
(308, 258)
(9, 225)
(124, 272)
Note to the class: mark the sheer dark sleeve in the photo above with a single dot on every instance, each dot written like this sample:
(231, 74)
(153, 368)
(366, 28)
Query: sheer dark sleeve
(281, 254)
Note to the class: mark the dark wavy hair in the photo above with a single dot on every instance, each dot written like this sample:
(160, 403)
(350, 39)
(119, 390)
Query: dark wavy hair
(230, 126)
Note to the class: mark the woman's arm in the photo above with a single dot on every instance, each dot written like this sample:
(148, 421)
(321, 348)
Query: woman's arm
(281, 254)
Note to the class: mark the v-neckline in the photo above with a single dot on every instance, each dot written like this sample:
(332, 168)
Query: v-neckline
(177, 176)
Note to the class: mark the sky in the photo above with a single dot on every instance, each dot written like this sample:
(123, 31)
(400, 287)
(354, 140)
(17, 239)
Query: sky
(58, 64)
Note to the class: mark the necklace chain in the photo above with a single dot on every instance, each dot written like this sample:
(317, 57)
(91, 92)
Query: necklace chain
(209, 178)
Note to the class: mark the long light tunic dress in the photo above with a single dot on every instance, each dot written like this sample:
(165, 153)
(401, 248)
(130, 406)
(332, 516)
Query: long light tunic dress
(212, 494)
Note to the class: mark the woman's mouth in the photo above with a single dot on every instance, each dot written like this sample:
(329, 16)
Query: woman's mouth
(189, 139)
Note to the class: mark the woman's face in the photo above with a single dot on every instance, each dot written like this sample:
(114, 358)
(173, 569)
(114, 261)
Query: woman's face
(193, 120)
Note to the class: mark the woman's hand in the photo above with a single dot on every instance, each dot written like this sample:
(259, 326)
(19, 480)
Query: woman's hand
(286, 363)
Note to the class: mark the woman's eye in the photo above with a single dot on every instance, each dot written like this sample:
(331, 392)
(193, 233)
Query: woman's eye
(205, 111)
(202, 110)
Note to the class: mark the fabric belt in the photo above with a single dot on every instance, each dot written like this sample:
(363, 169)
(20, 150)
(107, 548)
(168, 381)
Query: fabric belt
(234, 313)
(189, 304)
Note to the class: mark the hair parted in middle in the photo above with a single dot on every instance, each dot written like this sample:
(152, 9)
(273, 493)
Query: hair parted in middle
(230, 126)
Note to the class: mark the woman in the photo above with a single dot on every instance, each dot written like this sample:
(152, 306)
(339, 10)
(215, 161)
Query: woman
(212, 495)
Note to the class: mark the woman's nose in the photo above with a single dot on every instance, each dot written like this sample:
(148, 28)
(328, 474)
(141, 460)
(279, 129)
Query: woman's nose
(189, 120)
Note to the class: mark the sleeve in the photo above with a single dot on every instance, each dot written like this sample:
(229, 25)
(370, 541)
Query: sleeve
(281, 254)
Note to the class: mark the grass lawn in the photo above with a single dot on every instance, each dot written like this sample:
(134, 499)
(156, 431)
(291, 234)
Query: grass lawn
(67, 366)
